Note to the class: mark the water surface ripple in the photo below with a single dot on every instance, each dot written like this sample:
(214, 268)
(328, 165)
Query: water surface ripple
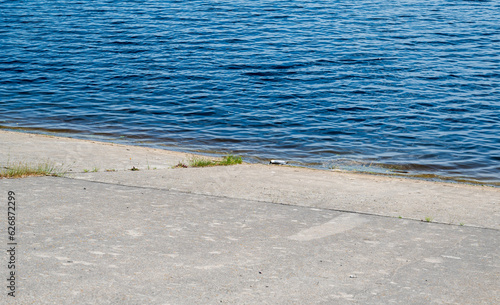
(400, 86)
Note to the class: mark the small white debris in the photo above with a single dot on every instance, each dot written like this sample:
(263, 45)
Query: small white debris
(279, 162)
(352, 276)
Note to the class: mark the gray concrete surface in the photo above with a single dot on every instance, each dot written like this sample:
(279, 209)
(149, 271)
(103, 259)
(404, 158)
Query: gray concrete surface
(471, 205)
(79, 155)
(85, 242)
(396, 197)
(249, 234)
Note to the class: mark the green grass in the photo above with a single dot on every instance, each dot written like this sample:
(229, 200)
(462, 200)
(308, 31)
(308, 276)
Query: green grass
(201, 162)
(226, 160)
(230, 160)
(428, 219)
(23, 169)
(205, 162)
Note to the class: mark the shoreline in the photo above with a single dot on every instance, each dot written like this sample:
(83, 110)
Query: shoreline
(412, 199)
(370, 171)
(252, 227)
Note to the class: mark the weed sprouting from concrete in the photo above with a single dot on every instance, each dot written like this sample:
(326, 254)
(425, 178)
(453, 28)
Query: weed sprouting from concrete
(230, 160)
(180, 165)
(206, 162)
(22, 169)
(226, 160)
(201, 162)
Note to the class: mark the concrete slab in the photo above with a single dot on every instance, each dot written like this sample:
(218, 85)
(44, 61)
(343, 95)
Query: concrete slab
(78, 155)
(82, 242)
(249, 234)
(396, 197)
(470, 205)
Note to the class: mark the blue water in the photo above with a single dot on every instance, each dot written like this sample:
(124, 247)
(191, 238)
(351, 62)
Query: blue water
(409, 86)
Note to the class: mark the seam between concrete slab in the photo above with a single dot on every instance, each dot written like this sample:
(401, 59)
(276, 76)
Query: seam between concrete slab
(284, 204)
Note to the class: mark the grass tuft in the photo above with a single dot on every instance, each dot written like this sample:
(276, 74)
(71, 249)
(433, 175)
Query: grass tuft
(204, 162)
(230, 160)
(22, 169)
(201, 162)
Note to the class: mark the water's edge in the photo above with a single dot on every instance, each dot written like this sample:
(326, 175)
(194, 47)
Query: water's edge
(387, 170)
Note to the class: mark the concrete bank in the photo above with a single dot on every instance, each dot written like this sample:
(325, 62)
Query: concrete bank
(469, 205)
(249, 234)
